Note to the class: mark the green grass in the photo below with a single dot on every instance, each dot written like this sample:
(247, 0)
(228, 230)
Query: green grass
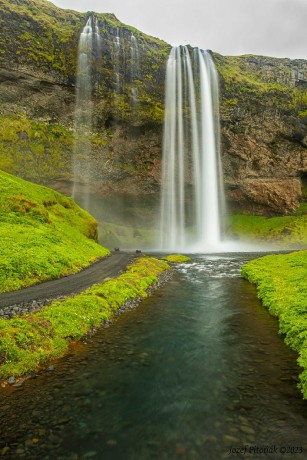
(176, 258)
(282, 286)
(43, 234)
(29, 341)
(285, 230)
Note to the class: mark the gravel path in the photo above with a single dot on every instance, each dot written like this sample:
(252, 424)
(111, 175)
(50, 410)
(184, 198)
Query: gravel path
(43, 293)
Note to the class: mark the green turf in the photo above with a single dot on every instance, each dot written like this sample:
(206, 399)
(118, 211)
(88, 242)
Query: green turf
(43, 234)
(282, 286)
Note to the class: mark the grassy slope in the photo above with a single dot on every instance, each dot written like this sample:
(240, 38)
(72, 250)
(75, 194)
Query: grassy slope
(30, 340)
(43, 234)
(282, 286)
(286, 230)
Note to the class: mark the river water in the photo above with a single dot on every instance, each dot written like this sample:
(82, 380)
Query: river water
(195, 372)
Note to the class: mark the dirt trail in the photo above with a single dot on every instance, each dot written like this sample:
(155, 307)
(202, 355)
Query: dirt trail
(96, 273)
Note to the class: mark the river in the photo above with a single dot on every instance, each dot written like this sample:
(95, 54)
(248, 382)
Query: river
(197, 371)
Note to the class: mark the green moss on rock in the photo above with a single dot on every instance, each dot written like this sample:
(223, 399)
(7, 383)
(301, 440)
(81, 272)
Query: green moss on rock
(176, 258)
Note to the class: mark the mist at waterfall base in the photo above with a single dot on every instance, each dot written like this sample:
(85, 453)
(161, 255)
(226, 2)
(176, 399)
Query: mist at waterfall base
(192, 215)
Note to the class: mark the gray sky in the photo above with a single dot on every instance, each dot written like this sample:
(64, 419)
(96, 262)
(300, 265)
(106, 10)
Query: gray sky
(230, 27)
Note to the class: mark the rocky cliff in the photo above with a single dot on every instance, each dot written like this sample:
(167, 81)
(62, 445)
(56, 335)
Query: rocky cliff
(263, 111)
(264, 126)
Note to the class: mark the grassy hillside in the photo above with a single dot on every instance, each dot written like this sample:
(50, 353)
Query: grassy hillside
(282, 286)
(287, 231)
(43, 234)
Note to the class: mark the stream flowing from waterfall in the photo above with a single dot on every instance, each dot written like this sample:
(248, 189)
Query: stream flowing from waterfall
(195, 370)
(191, 214)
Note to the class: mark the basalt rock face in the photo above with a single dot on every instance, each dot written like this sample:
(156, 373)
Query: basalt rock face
(264, 126)
(263, 111)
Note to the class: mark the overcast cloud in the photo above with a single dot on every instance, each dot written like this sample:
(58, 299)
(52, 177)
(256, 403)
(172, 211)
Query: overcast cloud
(230, 27)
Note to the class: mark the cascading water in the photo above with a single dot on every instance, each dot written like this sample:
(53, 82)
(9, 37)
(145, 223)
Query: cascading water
(116, 60)
(191, 215)
(134, 66)
(88, 50)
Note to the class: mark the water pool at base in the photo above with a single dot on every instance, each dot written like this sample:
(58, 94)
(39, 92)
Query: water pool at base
(194, 372)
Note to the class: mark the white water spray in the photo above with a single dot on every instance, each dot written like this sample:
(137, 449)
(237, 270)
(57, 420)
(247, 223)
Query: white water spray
(134, 67)
(116, 60)
(191, 215)
(88, 50)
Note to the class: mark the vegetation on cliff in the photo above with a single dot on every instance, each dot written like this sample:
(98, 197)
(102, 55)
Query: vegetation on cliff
(284, 231)
(43, 234)
(29, 341)
(282, 286)
(34, 150)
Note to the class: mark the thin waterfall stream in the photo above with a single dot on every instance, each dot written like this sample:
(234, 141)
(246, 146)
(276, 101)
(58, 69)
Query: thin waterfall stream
(88, 50)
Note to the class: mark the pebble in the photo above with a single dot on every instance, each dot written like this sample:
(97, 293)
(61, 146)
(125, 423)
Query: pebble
(211, 438)
(112, 442)
(243, 420)
(20, 383)
(181, 450)
(247, 429)
(228, 438)
(90, 454)
(5, 450)
(11, 380)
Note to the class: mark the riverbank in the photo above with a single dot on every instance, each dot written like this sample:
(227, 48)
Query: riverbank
(282, 286)
(29, 341)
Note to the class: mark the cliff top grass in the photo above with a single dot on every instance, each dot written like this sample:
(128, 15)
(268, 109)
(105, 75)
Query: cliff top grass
(252, 78)
(282, 286)
(29, 341)
(43, 234)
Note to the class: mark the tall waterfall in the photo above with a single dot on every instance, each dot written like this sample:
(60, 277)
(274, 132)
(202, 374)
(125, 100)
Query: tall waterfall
(192, 195)
(134, 66)
(88, 51)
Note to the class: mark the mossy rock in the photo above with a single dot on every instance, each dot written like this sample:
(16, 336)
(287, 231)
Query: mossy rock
(176, 258)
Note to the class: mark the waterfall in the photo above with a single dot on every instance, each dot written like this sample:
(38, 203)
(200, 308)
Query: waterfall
(134, 67)
(116, 60)
(89, 49)
(191, 189)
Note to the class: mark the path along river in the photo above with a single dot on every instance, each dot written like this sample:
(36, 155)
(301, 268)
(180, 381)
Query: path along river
(196, 371)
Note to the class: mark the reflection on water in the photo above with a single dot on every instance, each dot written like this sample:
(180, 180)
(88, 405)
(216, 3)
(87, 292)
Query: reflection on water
(194, 370)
